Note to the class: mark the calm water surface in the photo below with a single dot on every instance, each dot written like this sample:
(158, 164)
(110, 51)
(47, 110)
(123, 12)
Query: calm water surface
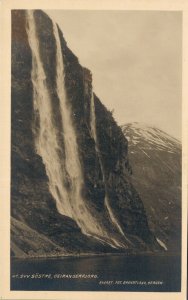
(107, 273)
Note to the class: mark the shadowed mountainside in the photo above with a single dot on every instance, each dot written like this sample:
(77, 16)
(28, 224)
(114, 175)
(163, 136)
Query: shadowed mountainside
(109, 200)
(155, 158)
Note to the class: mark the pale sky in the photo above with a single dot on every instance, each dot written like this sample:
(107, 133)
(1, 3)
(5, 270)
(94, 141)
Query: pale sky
(135, 58)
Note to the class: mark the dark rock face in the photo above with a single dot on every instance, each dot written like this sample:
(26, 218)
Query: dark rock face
(31, 202)
(155, 158)
(28, 242)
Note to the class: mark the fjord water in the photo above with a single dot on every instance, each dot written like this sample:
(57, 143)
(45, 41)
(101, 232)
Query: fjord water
(113, 273)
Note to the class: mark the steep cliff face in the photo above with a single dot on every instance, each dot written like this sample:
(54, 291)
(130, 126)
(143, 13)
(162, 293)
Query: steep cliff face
(70, 170)
(155, 158)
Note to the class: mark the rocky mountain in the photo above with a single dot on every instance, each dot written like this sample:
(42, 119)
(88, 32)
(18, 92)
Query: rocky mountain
(155, 158)
(71, 189)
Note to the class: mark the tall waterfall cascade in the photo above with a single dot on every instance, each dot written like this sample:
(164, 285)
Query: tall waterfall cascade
(45, 136)
(94, 135)
(68, 197)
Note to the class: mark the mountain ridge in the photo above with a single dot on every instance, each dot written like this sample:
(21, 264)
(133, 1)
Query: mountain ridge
(155, 158)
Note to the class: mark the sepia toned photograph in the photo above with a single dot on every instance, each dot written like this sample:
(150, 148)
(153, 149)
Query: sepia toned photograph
(96, 150)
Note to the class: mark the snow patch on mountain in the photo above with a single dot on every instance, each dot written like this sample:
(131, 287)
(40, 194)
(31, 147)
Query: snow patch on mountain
(136, 132)
(162, 244)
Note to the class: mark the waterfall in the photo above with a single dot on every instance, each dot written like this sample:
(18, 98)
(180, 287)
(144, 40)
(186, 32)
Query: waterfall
(68, 197)
(106, 201)
(46, 141)
(80, 213)
(64, 171)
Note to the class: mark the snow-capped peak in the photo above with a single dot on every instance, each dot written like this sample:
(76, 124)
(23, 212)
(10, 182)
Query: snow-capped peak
(140, 133)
